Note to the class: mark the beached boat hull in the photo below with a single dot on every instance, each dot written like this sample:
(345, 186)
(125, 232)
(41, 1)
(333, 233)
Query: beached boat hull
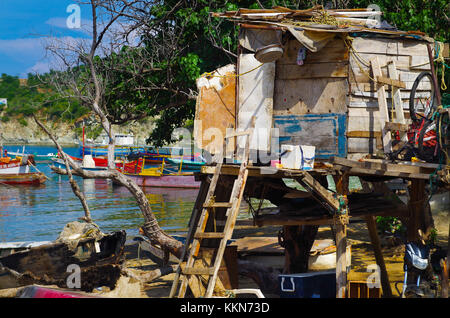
(49, 263)
(31, 178)
(166, 181)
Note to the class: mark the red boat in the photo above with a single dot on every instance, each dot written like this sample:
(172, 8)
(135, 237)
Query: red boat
(102, 163)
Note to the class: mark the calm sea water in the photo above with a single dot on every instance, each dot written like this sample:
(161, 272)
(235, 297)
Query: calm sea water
(39, 213)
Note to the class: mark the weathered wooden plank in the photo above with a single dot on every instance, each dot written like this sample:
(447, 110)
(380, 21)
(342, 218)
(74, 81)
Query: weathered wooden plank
(391, 82)
(364, 85)
(390, 46)
(363, 145)
(384, 169)
(397, 101)
(404, 94)
(334, 51)
(324, 131)
(312, 70)
(372, 104)
(383, 108)
(256, 90)
(404, 62)
(367, 119)
(358, 76)
(303, 96)
(321, 191)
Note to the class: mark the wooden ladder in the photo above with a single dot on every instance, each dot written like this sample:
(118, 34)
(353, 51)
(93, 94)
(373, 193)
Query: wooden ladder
(186, 272)
(386, 125)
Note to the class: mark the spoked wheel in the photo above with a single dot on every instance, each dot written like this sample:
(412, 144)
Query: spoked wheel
(422, 99)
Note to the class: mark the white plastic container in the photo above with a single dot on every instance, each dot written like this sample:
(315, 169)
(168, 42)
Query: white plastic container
(291, 157)
(88, 162)
(308, 154)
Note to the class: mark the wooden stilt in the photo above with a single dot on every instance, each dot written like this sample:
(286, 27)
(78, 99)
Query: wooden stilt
(372, 227)
(341, 239)
(416, 202)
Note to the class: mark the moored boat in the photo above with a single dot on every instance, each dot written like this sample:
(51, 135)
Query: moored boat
(161, 177)
(31, 178)
(18, 171)
(185, 180)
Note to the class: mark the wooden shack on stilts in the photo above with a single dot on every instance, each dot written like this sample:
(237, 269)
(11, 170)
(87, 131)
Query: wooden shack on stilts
(336, 80)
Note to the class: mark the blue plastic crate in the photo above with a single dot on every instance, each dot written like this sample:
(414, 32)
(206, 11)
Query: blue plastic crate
(308, 285)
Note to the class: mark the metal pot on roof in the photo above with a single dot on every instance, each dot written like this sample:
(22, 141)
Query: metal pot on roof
(269, 53)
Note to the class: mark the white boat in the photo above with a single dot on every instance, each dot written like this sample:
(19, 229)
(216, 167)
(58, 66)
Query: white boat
(14, 167)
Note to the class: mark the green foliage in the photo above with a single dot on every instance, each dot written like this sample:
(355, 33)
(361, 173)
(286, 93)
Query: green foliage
(32, 97)
(390, 224)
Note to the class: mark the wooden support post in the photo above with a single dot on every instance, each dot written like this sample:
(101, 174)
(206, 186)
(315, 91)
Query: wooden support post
(416, 202)
(372, 227)
(341, 240)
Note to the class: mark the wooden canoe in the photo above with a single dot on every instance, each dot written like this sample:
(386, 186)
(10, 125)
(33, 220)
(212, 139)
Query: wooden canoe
(31, 178)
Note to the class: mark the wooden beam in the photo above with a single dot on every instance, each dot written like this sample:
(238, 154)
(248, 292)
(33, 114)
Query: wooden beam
(262, 172)
(383, 169)
(292, 219)
(390, 81)
(396, 126)
(382, 105)
(323, 194)
(372, 227)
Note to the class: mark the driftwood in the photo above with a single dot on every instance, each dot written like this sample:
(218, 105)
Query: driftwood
(150, 276)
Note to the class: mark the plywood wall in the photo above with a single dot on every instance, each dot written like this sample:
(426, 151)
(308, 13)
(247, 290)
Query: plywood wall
(318, 86)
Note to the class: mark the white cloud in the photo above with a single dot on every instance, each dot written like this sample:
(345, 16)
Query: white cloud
(40, 67)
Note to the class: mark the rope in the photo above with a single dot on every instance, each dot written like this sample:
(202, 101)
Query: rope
(348, 42)
(440, 59)
(210, 74)
(150, 224)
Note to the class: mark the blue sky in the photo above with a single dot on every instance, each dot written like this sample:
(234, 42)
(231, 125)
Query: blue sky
(24, 27)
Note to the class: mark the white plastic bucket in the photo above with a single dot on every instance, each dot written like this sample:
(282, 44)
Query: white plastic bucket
(291, 156)
(308, 154)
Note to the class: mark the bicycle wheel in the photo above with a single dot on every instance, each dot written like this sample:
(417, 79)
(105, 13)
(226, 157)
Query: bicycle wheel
(422, 98)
